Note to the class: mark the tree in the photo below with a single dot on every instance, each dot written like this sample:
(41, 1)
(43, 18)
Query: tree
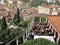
(16, 19)
(3, 24)
(23, 24)
(8, 35)
(35, 3)
(4, 36)
(43, 20)
(39, 42)
(37, 19)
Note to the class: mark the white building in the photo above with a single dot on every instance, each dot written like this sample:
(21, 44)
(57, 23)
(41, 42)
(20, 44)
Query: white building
(43, 10)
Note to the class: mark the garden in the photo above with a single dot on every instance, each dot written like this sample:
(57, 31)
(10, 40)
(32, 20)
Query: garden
(8, 33)
(20, 26)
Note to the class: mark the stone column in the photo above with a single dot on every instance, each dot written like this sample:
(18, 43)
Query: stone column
(40, 20)
(46, 20)
(16, 41)
(23, 38)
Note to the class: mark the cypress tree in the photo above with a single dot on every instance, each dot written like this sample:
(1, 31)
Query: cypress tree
(3, 24)
(16, 19)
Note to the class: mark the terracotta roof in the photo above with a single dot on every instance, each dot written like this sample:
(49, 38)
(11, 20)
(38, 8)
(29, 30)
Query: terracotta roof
(55, 20)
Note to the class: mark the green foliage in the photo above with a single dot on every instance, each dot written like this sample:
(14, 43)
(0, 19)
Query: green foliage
(43, 20)
(39, 42)
(8, 35)
(15, 33)
(35, 3)
(4, 36)
(18, 12)
(3, 24)
(23, 24)
(37, 19)
(16, 19)
(0, 22)
(0, 25)
(25, 1)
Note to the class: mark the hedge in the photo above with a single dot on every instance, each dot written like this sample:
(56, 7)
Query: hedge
(39, 42)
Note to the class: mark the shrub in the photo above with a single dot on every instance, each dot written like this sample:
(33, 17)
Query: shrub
(39, 42)
(23, 24)
(8, 35)
(3, 24)
(16, 19)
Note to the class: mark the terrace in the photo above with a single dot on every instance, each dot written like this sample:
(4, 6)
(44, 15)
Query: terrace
(38, 26)
(44, 28)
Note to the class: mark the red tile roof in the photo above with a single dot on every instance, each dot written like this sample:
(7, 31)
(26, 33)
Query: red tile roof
(55, 20)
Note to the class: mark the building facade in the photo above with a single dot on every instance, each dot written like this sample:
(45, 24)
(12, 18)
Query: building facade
(55, 26)
(43, 10)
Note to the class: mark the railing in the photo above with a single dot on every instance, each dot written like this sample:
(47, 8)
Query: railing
(14, 39)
